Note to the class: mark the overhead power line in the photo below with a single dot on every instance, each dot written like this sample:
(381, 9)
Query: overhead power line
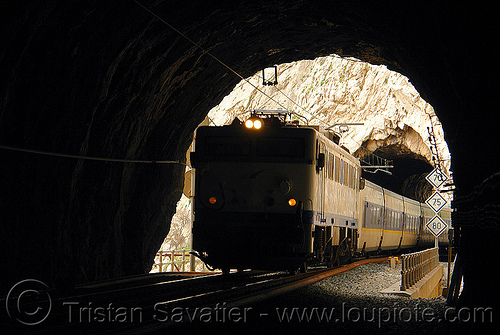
(204, 50)
(104, 159)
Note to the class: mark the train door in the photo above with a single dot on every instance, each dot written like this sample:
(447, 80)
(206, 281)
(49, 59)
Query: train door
(403, 224)
(383, 218)
(321, 157)
(318, 247)
(420, 225)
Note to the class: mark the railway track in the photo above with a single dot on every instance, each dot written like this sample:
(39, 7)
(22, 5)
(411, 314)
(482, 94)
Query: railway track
(145, 304)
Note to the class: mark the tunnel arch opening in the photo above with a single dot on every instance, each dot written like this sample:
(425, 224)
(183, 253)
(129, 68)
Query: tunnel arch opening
(392, 117)
(75, 81)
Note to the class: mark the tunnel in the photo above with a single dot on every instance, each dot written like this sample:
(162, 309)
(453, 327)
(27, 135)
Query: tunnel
(99, 101)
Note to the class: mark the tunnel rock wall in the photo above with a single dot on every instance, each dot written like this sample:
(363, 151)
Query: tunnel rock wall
(108, 79)
(75, 81)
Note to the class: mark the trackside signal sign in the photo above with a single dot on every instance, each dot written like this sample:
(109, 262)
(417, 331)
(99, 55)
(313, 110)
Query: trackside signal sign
(436, 202)
(436, 226)
(436, 178)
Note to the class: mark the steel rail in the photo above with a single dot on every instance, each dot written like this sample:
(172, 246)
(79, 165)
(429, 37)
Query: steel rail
(232, 290)
(251, 294)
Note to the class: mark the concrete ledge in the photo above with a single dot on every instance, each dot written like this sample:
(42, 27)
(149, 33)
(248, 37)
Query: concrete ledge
(427, 287)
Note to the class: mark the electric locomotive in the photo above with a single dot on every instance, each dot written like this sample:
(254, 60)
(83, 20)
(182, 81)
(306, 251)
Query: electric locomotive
(272, 194)
(253, 194)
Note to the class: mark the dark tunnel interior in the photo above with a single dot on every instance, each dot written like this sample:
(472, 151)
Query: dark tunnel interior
(407, 177)
(115, 80)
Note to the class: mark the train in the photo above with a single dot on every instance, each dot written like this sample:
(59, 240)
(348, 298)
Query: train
(273, 194)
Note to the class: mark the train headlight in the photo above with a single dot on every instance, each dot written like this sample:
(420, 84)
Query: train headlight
(254, 123)
(212, 200)
(292, 202)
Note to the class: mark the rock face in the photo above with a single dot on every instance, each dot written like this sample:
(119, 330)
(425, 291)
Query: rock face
(332, 90)
(109, 79)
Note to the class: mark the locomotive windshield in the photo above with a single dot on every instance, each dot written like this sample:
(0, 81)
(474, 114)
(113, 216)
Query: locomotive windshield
(280, 147)
(226, 146)
(235, 148)
(231, 144)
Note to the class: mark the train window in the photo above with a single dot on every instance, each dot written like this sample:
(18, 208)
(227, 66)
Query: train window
(357, 179)
(327, 164)
(344, 173)
(226, 146)
(337, 169)
(355, 176)
(341, 171)
(373, 216)
(351, 176)
(280, 147)
(331, 168)
(368, 215)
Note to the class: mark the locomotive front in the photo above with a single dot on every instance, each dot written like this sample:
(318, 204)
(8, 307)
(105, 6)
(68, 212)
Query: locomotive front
(253, 186)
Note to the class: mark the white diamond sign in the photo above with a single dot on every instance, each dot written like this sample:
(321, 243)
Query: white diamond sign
(436, 177)
(436, 225)
(436, 202)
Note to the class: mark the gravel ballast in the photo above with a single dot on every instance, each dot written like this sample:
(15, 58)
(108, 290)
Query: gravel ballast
(351, 303)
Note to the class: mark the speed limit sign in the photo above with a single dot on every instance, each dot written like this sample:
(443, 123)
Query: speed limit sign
(436, 225)
(436, 202)
(436, 177)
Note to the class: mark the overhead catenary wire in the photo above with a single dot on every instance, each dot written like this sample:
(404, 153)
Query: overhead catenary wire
(204, 50)
(121, 160)
(229, 67)
(137, 161)
(92, 158)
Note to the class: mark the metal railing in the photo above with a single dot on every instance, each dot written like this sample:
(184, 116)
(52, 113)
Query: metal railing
(416, 265)
(171, 261)
(176, 261)
(373, 163)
